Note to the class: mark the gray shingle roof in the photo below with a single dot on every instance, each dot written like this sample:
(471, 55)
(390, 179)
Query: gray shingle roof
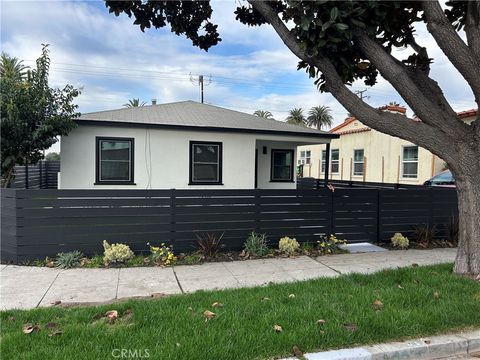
(192, 114)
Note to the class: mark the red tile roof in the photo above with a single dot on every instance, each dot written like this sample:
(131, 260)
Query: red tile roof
(345, 123)
(467, 113)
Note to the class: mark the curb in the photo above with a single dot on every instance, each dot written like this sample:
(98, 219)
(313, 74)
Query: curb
(434, 347)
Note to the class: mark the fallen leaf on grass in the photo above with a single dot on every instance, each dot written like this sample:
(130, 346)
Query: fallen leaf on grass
(414, 265)
(277, 328)
(111, 315)
(11, 318)
(400, 286)
(208, 314)
(297, 352)
(321, 322)
(29, 328)
(56, 302)
(178, 344)
(217, 304)
(51, 325)
(265, 299)
(351, 327)
(436, 295)
(291, 296)
(377, 305)
(56, 333)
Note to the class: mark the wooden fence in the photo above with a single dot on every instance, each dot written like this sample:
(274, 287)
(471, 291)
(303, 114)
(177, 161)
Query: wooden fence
(43, 175)
(39, 223)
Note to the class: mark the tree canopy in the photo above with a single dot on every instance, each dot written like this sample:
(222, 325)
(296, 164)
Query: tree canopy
(296, 117)
(339, 42)
(264, 114)
(33, 115)
(320, 116)
(135, 102)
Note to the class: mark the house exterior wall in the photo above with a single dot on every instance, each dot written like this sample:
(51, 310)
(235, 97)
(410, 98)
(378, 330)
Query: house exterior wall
(169, 165)
(381, 151)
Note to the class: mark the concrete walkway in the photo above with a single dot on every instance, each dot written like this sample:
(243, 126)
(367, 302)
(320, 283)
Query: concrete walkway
(27, 287)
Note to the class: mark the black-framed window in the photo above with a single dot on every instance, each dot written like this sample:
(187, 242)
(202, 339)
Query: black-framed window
(282, 165)
(205, 163)
(114, 160)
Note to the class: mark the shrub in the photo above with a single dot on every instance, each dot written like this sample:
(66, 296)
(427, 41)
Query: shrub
(95, 261)
(116, 253)
(68, 260)
(208, 243)
(288, 245)
(424, 234)
(192, 259)
(256, 244)
(399, 241)
(162, 255)
(330, 244)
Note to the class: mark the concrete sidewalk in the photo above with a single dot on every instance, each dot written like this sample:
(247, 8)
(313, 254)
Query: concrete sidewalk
(27, 287)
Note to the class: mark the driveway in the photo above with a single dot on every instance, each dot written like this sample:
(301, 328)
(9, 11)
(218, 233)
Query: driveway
(27, 287)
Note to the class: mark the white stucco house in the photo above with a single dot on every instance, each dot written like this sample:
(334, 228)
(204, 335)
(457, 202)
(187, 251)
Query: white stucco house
(182, 145)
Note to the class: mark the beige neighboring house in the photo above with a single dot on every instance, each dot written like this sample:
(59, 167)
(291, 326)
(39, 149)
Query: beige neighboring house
(364, 154)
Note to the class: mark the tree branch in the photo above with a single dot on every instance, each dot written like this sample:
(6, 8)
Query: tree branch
(472, 27)
(423, 94)
(462, 57)
(389, 123)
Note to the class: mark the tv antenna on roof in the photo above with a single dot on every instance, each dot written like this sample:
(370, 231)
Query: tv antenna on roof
(200, 81)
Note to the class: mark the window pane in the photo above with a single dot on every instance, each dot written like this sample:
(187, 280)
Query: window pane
(115, 150)
(358, 169)
(302, 154)
(308, 153)
(205, 153)
(358, 155)
(335, 166)
(205, 172)
(282, 158)
(281, 172)
(410, 170)
(115, 170)
(335, 154)
(410, 153)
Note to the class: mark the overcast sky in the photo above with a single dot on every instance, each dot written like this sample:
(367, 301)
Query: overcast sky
(113, 61)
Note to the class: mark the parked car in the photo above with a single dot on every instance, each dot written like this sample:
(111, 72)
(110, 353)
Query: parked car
(444, 179)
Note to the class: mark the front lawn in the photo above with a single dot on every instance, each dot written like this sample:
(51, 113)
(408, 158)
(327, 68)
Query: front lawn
(356, 309)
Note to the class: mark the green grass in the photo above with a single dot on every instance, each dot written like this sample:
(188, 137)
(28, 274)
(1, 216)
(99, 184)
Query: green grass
(418, 301)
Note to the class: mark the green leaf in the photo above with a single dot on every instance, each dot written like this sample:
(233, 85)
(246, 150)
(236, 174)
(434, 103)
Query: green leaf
(358, 23)
(341, 26)
(305, 24)
(333, 14)
(326, 25)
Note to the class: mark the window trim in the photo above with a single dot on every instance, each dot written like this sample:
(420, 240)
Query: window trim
(409, 162)
(302, 160)
(98, 180)
(292, 163)
(358, 162)
(220, 163)
(323, 161)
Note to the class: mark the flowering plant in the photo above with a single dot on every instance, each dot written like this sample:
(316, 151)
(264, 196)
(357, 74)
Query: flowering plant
(330, 244)
(163, 254)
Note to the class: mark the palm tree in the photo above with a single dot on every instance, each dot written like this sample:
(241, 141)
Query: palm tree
(296, 117)
(264, 114)
(134, 103)
(319, 116)
(12, 67)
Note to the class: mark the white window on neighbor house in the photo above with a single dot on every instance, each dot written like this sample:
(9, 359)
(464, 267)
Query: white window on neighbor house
(324, 160)
(358, 162)
(335, 161)
(410, 162)
(305, 157)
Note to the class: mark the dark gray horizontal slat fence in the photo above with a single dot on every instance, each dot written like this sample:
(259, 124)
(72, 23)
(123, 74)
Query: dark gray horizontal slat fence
(43, 175)
(39, 223)
(313, 183)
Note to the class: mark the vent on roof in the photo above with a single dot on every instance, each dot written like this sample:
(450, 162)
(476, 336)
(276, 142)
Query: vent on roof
(154, 101)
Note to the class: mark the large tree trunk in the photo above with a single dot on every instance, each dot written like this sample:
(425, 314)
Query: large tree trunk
(468, 191)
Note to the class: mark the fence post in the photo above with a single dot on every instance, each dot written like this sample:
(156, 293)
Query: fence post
(332, 212)
(378, 215)
(257, 210)
(172, 216)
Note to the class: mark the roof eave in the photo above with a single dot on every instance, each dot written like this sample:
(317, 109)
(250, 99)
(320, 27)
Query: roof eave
(323, 135)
